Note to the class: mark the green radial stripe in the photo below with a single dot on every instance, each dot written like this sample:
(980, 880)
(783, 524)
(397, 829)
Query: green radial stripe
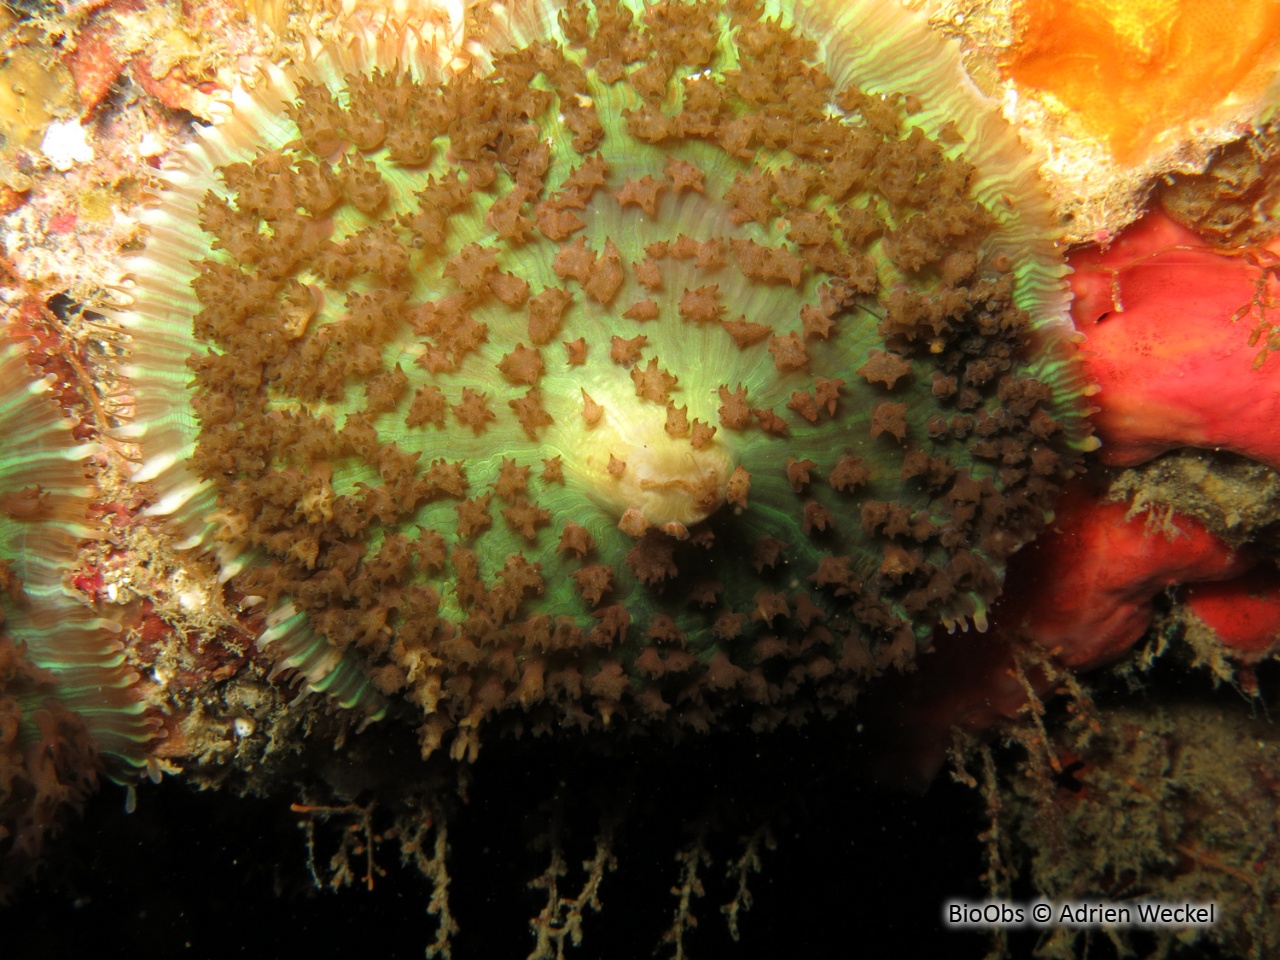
(43, 501)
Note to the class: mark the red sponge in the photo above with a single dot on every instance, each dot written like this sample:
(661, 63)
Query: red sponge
(1244, 613)
(1174, 368)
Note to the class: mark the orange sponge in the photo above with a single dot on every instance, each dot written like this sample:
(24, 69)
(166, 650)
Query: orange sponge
(1139, 73)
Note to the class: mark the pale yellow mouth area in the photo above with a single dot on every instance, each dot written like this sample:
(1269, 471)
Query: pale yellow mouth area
(626, 462)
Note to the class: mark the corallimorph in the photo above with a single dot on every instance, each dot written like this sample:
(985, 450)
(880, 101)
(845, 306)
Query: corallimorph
(629, 360)
(68, 710)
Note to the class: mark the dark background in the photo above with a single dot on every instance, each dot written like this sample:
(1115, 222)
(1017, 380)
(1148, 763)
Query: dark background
(858, 869)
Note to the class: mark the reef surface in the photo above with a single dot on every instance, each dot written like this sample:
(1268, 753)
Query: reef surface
(538, 462)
